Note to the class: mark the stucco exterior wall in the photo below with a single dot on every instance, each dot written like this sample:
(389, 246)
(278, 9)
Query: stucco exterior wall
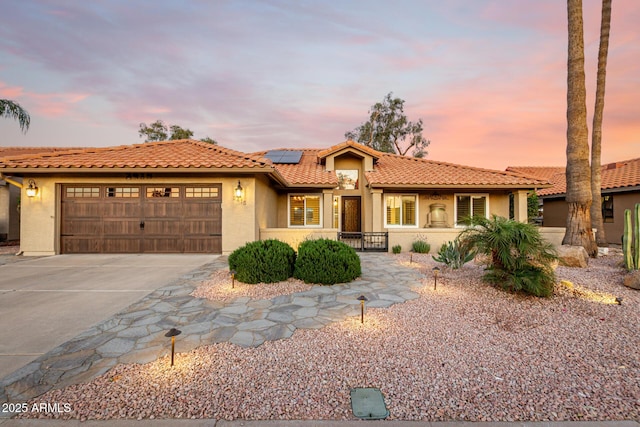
(266, 205)
(295, 236)
(555, 214)
(434, 236)
(40, 222)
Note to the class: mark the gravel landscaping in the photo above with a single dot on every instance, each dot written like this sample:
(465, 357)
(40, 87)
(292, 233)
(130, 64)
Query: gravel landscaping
(218, 288)
(465, 351)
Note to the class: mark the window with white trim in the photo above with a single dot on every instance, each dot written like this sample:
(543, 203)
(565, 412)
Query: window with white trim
(305, 210)
(468, 205)
(401, 210)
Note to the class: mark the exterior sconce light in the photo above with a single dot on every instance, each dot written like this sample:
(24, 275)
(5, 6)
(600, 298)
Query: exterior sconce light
(173, 332)
(238, 193)
(436, 271)
(233, 278)
(362, 299)
(32, 189)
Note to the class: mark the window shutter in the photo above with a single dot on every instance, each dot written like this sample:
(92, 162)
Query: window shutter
(393, 210)
(479, 206)
(296, 210)
(313, 210)
(463, 209)
(408, 210)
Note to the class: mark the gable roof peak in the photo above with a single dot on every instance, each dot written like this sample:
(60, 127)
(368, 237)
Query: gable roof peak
(349, 144)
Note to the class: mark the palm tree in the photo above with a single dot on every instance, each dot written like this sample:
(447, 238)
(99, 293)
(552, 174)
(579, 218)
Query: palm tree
(578, 173)
(11, 109)
(519, 258)
(596, 137)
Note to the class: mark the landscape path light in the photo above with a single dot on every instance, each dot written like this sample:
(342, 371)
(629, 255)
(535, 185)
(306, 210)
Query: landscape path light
(173, 332)
(233, 278)
(436, 271)
(362, 299)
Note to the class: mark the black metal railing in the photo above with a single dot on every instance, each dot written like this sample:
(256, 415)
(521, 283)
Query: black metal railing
(366, 242)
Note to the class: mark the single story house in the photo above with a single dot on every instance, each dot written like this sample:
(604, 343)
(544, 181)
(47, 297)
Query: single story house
(189, 196)
(620, 191)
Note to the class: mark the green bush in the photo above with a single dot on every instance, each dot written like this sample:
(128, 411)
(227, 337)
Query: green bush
(519, 257)
(420, 247)
(263, 261)
(454, 255)
(326, 262)
(396, 249)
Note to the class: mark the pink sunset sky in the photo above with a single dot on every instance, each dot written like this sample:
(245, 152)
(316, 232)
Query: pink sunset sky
(487, 77)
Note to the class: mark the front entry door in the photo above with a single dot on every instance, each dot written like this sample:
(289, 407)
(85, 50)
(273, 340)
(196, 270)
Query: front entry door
(351, 218)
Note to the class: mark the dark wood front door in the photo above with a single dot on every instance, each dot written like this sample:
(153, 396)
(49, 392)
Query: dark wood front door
(351, 216)
(141, 219)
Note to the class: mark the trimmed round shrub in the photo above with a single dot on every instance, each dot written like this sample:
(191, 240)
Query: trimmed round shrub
(326, 262)
(263, 261)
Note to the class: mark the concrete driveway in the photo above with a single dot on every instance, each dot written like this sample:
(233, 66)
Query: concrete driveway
(44, 302)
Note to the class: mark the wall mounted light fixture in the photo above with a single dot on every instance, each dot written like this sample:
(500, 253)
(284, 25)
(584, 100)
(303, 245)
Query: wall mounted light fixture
(32, 189)
(238, 193)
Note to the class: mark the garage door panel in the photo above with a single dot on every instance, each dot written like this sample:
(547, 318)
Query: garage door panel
(195, 227)
(87, 226)
(211, 245)
(157, 208)
(82, 209)
(119, 209)
(164, 226)
(126, 227)
(161, 245)
(85, 245)
(121, 245)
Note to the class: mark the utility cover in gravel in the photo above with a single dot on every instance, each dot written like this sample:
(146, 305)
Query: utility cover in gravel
(368, 404)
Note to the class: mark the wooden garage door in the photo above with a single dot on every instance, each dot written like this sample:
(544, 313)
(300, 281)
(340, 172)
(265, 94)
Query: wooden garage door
(141, 219)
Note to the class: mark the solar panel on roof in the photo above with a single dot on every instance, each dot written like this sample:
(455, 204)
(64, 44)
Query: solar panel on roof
(284, 156)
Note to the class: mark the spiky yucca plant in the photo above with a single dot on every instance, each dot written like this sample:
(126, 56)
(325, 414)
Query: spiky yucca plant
(519, 257)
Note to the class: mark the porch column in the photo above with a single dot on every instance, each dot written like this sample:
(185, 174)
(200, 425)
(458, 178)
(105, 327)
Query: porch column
(327, 208)
(520, 205)
(376, 215)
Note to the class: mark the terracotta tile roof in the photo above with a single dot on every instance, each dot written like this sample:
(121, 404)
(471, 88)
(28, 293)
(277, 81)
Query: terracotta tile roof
(373, 153)
(542, 172)
(158, 155)
(391, 170)
(22, 151)
(614, 176)
(308, 172)
(395, 170)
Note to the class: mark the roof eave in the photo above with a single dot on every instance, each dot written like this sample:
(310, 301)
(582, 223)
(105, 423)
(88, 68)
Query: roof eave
(111, 170)
(461, 186)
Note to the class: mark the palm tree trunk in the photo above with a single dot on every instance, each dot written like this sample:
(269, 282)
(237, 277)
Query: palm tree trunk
(596, 139)
(578, 174)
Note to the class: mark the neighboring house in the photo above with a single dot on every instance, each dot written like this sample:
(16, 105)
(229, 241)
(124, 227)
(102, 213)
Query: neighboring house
(10, 194)
(620, 191)
(190, 196)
